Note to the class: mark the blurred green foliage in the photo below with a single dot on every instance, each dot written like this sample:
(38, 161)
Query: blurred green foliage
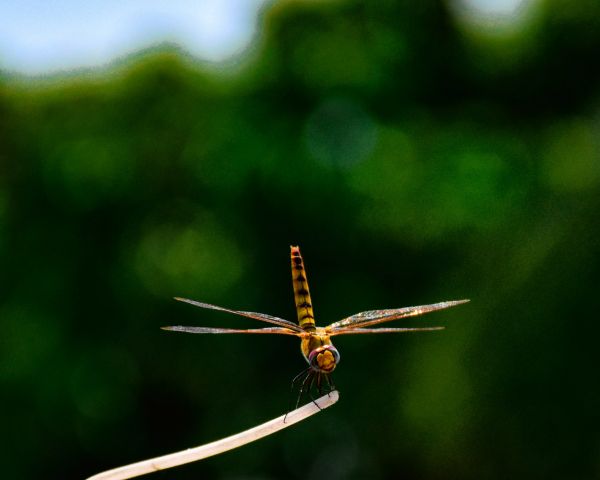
(414, 157)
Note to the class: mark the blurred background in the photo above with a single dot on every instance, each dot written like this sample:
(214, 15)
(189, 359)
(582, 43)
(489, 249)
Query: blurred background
(417, 151)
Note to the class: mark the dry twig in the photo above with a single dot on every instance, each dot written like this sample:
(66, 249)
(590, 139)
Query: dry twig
(219, 446)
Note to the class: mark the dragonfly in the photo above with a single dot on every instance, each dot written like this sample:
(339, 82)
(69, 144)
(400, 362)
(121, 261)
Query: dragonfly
(315, 342)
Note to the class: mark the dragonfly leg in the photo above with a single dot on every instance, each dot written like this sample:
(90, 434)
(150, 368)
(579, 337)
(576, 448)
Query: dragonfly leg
(297, 377)
(312, 382)
(304, 376)
(301, 376)
(330, 384)
(309, 379)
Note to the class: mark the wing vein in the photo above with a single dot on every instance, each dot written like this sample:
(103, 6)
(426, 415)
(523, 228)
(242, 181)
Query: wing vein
(263, 317)
(268, 330)
(353, 331)
(373, 317)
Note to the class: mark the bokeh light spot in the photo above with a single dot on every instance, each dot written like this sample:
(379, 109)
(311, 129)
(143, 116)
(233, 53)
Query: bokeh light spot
(494, 16)
(439, 397)
(181, 259)
(420, 187)
(572, 157)
(89, 170)
(340, 133)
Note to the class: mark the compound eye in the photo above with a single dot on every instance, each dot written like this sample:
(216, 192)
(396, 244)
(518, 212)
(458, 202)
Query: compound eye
(336, 355)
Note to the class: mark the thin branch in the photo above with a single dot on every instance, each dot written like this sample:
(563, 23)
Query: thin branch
(220, 446)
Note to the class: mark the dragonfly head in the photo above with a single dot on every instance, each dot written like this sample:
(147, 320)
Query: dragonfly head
(324, 359)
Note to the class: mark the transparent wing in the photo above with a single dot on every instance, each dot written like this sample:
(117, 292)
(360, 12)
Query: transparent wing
(352, 331)
(263, 317)
(275, 330)
(373, 317)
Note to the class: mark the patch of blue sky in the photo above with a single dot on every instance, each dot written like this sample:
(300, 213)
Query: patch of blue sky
(48, 36)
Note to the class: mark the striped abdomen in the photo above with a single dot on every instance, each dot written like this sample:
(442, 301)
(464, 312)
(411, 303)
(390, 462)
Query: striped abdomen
(306, 318)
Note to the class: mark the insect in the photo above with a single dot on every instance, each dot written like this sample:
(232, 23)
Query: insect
(315, 342)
